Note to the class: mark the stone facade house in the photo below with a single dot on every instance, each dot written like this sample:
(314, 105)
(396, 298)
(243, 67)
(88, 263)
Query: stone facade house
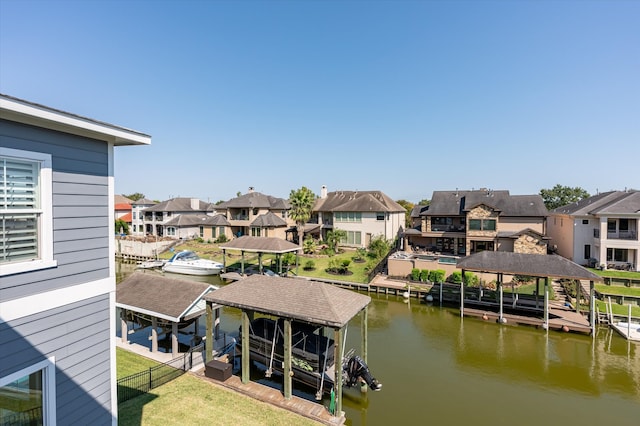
(601, 230)
(466, 222)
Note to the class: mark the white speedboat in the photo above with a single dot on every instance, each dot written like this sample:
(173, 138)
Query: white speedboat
(188, 263)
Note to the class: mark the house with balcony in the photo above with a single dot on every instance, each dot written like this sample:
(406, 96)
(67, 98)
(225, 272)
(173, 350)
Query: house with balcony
(466, 222)
(363, 215)
(137, 215)
(162, 219)
(257, 215)
(57, 265)
(599, 231)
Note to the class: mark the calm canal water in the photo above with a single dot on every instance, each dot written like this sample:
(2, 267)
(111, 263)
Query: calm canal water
(438, 368)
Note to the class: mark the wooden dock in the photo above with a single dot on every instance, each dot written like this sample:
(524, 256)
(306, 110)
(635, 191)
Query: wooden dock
(301, 406)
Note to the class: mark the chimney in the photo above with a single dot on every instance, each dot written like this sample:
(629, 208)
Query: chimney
(323, 191)
(195, 204)
(251, 189)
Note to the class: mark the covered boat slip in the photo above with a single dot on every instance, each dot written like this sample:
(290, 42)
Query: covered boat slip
(168, 304)
(293, 301)
(542, 267)
(260, 245)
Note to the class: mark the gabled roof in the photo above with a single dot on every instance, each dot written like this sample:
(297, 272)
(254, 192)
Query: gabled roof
(122, 206)
(197, 220)
(128, 217)
(182, 204)
(268, 220)
(516, 234)
(534, 265)
(357, 201)
(167, 298)
(456, 203)
(417, 210)
(143, 202)
(260, 244)
(121, 199)
(299, 299)
(255, 200)
(612, 202)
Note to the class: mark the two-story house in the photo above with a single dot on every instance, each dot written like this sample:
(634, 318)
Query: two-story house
(466, 222)
(137, 215)
(361, 214)
(57, 265)
(257, 215)
(167, 219)
(601, 230)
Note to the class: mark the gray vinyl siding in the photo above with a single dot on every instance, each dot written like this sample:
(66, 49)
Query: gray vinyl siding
(80, 209)
(78, 336)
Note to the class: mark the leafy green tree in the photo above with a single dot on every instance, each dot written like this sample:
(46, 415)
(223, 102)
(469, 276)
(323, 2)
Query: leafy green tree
(424, 202)
(334, 237)
(408, 206)
(301, 201)
(379, 247)
(559, 196)
(135, 196)
(122, 227)
(309, 246)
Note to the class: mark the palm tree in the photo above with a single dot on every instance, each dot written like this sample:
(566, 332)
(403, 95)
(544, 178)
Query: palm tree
(302, 201)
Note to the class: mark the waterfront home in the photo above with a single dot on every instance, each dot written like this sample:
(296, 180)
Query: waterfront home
(363, 215)
(162, 219)
(466, 222)
(137, 215)
(599, 231)
(57, 268)
(257, 215)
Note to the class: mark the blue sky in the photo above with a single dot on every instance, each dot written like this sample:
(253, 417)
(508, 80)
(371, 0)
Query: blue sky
(406, 97)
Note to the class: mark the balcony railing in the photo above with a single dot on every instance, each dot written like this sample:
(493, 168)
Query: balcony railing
(447, 228)
(622, 235)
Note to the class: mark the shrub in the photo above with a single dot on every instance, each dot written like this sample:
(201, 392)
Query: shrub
(424, 275)
(288, 259)
(521, 279)
(309, 265)
(200, 240)
(415, 274)
(378, 247)
(437, 276)
(309, 246)
(221, 239)
(456, 277)
(470, 279)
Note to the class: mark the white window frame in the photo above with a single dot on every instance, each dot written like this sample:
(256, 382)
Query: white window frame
(45, 221)
(48, 367)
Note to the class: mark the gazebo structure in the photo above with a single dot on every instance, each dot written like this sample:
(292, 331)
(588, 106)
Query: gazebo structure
(534, 265)
(292, 299)
(165, 303)
(260, 245)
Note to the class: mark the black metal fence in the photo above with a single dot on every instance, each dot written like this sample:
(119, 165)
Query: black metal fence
(142, 382)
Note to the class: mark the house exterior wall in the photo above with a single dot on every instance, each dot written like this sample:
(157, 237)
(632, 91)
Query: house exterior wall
(80, 209)
(516, 224)
(370, 227)
(560, 229)
(58, 316)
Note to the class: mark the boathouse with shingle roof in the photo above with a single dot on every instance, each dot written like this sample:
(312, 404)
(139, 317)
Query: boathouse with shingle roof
(293, 299)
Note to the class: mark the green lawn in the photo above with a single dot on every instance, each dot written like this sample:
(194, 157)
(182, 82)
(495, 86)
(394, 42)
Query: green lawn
(189, 400)
(128, 363)
(617, 309)
(618, 290)
(616, 274)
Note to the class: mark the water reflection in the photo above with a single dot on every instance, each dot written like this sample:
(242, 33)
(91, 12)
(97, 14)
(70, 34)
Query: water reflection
(437, 367)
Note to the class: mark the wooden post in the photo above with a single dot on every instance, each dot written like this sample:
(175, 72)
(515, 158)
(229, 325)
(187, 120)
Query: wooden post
(537, 290)
(174, 339)
(260, 262)
(546, 302)
(365, 342)
(242, 262)
(123, 326)
(245, 347)
(578, 290)
(592, 308)
(154, 334)
(224, 260)
(216, 323)
(288, 372)
(337, 337)
(500, 316)
(208, 341)
(461, 295)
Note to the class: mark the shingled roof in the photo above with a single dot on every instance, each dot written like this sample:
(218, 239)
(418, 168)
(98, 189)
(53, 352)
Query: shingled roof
(268, 220)
(260, 244)
(357, 201)
(255, 200)
(534, 265)
(612, 202)
(455, 203)
(198, 219)
(167, 298)
(294, 298)
(179, 205)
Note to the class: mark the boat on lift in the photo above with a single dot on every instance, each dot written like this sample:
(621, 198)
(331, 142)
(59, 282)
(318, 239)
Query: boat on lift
(312, 355)
(188, 263)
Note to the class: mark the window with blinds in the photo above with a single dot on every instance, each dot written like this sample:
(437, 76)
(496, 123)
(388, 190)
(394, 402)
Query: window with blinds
(20, 209)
